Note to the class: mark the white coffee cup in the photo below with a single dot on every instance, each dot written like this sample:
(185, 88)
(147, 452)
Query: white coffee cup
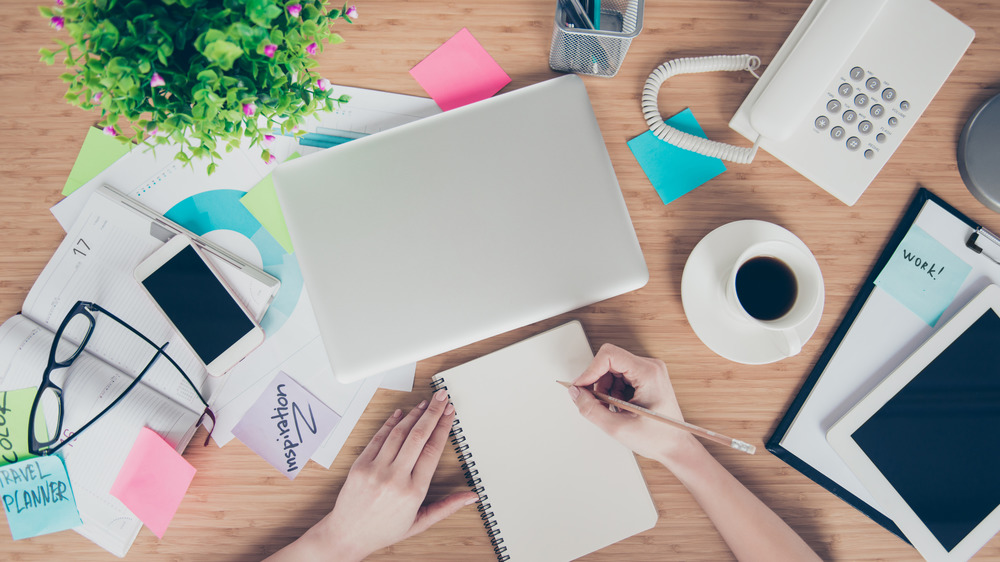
(775, 285)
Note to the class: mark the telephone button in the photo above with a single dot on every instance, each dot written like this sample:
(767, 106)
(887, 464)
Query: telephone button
(877, 111)
(853, 143)
(857, 73)
(861, 100)
(845, 89)
(837, 133)
(833, 106)
(869, 154)
(873, 84)
(850, 117)
(904, 105)
(889, 94)
(865, 127)
(880, 137)
(893, 121)
(822, 122)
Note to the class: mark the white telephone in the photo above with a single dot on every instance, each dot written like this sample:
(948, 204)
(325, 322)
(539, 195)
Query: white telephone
(840, 95)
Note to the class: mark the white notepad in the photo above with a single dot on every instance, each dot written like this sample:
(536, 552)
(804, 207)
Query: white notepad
(552, 485)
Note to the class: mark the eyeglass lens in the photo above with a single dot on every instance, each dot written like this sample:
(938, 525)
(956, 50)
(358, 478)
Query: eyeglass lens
(73, 337)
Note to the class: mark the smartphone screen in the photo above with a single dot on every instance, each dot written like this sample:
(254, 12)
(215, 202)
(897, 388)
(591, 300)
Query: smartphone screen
(199, 306)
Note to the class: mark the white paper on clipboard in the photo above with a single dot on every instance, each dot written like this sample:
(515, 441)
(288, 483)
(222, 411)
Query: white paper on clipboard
(882, 335)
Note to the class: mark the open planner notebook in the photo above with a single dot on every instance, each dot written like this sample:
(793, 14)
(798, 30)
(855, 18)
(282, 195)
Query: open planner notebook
(95, 263)
(552, 486)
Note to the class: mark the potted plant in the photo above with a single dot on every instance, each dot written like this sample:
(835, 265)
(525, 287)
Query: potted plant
(201, 74)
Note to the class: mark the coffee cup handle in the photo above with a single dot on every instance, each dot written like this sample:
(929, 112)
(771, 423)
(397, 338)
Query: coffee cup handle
(791, 343)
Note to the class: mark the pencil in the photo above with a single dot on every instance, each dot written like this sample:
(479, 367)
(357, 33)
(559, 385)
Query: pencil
(691, 428)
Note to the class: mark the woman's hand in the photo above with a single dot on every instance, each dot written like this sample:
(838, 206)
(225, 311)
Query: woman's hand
(381, 501)
(641, 381)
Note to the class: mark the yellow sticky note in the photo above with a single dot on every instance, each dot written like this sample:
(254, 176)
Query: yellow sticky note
(15, 411)
(97, 153)
(262, 202)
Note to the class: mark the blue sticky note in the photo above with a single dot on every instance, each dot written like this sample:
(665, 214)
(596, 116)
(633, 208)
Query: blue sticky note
(674, 171)
(923, 275)
(38, 497)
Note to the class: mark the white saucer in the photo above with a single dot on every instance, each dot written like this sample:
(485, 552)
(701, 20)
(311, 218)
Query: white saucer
(704, 299)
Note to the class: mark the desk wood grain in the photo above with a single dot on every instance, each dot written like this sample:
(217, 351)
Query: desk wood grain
(238, 508)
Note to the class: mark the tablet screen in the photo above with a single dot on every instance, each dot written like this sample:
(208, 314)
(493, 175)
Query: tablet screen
(936, 440)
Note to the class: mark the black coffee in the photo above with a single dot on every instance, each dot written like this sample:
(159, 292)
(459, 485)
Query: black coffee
(766, 288)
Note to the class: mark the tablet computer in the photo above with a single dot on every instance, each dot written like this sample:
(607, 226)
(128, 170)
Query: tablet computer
(924, 441)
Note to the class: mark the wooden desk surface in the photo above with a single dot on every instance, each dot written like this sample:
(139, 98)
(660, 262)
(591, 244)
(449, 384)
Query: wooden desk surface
(239, 508)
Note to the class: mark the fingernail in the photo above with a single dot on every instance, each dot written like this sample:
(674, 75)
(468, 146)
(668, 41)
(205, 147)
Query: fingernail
(448, 409)
(471, 500)
(574, 392)
(441, 395)
(422, 405)
(397, 413)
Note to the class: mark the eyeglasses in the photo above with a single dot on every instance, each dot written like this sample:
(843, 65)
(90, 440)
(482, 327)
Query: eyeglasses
(79, 323)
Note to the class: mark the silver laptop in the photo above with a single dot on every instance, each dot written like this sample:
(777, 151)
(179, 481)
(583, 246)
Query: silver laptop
(458, 227)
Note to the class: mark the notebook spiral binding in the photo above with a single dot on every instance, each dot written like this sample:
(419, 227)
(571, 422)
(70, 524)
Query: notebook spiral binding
(472, 478)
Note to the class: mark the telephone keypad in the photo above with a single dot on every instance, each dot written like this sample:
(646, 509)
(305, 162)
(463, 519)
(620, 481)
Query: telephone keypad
(853, 103)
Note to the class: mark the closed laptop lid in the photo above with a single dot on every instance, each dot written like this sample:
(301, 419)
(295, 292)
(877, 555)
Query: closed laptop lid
(460, 226)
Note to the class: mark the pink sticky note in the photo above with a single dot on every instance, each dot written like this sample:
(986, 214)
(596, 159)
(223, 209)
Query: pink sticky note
(153, 481)
(459, 72)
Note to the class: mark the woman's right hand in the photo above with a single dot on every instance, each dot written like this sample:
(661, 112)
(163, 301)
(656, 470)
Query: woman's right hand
(641, 381)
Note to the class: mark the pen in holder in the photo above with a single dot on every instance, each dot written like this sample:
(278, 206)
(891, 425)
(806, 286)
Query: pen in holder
(594, 52)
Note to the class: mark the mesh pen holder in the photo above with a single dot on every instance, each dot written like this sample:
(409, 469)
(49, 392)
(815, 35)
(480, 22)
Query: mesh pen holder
(595, 52)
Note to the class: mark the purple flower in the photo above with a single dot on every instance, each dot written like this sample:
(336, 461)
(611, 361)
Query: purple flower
(323, 84)
(157, 80)
(268, 139)
(270, 49)
(57, 22)
(352, 12)
(271, 159)
(110, 131)
(249, 109)
(96, 98)
(59, 2)
(294, 10)
(311, 49)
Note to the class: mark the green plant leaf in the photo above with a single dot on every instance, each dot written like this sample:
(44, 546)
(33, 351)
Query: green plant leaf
(223, 53)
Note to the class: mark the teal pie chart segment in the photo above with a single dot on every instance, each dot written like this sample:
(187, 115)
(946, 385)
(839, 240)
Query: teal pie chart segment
(221, 209)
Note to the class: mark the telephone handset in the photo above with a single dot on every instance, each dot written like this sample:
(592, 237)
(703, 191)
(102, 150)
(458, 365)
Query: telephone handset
(840, 94)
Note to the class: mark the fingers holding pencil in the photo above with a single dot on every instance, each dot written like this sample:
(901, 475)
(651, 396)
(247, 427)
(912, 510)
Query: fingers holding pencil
(650, 422)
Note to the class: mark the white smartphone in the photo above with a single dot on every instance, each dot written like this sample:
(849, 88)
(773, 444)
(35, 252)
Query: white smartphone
(200, 306)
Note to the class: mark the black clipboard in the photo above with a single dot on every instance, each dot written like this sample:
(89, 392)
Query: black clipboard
(774, 442)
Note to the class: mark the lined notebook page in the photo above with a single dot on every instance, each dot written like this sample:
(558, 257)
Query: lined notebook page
(557, 486)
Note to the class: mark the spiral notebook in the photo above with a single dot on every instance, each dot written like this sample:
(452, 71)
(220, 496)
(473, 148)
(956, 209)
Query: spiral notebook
(552, 486)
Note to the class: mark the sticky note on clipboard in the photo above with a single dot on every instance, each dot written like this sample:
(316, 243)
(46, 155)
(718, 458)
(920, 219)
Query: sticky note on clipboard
(923, 275)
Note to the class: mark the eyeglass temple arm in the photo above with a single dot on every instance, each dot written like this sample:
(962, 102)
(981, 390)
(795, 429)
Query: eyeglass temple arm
(159, 351)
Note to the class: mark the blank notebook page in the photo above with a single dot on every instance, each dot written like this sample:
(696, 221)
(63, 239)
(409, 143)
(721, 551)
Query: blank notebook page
(557, 487)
